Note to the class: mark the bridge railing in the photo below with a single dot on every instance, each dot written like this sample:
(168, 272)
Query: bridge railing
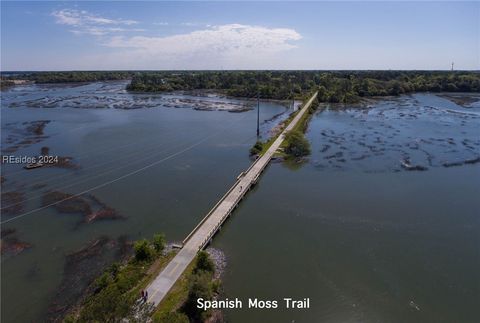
(235, 203)
(240, 196)
(227, 214)
(219, 202)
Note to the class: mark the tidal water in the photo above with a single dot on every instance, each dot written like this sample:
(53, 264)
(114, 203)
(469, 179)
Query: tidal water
(365, 239)
(160, 167)
(358, 227)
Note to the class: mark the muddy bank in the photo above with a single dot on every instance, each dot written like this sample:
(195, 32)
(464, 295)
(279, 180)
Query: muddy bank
(87, 205)
(81, 269)
(462, 162)
(466, 100)
(25, 134)
(112, 95)
(409, 133)
(206, 105)
(11, 245)
(66, 162)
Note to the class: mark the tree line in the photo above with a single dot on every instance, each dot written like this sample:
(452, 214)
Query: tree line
(69, 76)
(333, 86)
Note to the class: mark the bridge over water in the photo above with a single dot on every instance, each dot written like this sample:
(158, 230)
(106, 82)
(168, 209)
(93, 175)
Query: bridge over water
(211, 223)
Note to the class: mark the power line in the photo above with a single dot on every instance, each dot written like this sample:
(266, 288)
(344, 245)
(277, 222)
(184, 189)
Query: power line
(121, 177)
(50, 178)
(111, 181)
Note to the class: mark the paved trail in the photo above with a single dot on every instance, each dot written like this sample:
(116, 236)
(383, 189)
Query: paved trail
(205, 230)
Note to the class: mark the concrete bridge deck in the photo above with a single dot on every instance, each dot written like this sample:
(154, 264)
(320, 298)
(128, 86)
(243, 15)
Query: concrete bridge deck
(206, 229)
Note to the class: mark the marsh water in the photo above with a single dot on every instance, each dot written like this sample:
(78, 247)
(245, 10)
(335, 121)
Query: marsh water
(379, 224)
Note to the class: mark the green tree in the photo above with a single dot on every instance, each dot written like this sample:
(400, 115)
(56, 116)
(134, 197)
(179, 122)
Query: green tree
(297, 145)
(159, 242)
(142, 250)
(204, 263)
(200, 287)
(257, 148)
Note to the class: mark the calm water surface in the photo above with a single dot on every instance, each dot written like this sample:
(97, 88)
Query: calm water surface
(364, 238)
(196, 155)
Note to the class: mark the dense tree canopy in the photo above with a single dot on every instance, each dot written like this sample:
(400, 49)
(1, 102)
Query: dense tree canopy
(333, 86)
(71, 76)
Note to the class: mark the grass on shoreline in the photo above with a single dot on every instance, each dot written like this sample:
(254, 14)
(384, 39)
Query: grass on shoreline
(301, 126)
(114, 294)
(176, 296)
(198, 280)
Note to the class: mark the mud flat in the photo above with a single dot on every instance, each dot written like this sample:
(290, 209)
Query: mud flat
(408, 133)
(114, 96)
(11, 245)
(87, 205)
(466, 100)
(81, 268)
(12, 202)
(22, 135)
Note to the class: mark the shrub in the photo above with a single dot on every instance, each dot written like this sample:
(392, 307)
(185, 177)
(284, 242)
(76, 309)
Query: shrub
(101, 282)
(204, 263)
(110, 305)
(143, 251)
(200, 287)
(159, 242)
(257, 148)
(114, 269)
(297, 145)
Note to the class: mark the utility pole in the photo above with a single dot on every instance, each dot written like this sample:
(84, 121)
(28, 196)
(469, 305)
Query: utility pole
(258, 113)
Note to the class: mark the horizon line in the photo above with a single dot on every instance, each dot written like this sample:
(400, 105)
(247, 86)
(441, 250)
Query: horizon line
(238, 70)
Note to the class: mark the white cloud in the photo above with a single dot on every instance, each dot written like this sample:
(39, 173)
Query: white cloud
(224, 40)
(221, 46)
(189, 24)
(232, 46)
(83, 22)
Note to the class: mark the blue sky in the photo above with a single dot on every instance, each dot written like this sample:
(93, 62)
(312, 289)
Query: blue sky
(239, 35)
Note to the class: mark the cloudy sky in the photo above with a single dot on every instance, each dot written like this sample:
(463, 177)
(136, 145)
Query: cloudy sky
(239, 35)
